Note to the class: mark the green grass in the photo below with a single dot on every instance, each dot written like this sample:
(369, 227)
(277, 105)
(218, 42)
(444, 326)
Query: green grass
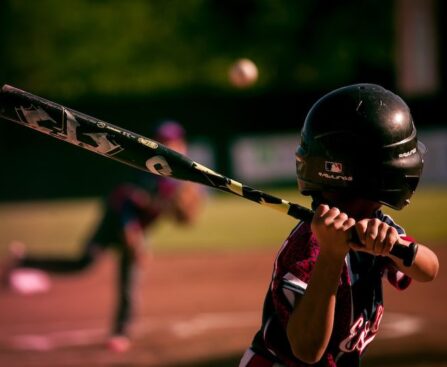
(424, 218)
(229, 222)
(232, 222)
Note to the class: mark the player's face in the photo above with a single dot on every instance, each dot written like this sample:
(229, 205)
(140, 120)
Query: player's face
(356, 207)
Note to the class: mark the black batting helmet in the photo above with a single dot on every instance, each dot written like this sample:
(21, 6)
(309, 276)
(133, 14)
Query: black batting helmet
(360, 139)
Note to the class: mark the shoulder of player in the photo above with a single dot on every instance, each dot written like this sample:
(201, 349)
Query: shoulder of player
(298, 245)
(390, 221)
(295, 259)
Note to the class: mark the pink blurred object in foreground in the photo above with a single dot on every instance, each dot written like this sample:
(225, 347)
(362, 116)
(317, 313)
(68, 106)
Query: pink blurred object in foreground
(28, 281)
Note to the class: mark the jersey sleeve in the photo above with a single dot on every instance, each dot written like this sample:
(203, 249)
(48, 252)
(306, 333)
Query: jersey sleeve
(293, 268)
(396, 278)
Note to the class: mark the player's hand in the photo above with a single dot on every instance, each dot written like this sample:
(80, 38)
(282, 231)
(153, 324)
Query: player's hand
(332, 229)
(376, 237)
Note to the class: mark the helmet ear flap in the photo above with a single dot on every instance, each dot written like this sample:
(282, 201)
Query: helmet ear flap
(412, 182)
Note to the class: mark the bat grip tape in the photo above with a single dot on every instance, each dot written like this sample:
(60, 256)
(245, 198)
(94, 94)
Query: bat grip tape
(406, 253)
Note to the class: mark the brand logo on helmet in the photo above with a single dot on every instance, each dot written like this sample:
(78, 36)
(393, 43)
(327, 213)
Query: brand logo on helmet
(407, 154)
(334, 167)
(335, 177)
(336, 171)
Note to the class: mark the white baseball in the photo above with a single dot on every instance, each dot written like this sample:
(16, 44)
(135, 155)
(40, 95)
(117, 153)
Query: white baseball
(243, 73)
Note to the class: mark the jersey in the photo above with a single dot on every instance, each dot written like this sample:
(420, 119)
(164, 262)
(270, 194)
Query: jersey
(143, 202)
(359, 301)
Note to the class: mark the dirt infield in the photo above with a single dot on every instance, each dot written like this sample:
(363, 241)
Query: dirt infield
(196, 309)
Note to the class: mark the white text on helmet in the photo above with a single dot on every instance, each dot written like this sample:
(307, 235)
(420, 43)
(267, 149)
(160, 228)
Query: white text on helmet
(407, 154)
(335, 177)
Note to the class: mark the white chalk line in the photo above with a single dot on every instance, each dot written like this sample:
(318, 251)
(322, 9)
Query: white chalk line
(394, 325)
(180, 328)
(55, 340)
(399, 325)
(202, 323)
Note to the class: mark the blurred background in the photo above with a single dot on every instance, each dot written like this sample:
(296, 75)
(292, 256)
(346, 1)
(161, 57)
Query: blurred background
(135, 62)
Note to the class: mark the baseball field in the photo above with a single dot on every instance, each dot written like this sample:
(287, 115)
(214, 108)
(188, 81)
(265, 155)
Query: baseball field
(201, 296)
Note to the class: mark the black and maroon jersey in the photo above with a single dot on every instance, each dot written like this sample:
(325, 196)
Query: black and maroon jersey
(359, 305)
(143, 202)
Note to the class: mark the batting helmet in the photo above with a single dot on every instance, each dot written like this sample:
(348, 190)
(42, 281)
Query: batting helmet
(360, 139)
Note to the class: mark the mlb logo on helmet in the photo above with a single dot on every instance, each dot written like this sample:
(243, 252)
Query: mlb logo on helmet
(334, 167)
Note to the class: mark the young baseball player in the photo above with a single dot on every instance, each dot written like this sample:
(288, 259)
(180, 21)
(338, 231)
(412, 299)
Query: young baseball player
(129, 211)
(358, 151)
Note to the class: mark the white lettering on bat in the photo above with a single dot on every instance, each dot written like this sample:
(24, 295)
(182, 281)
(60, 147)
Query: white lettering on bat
(33, 117)
(67, 129)
(72, 126)
(159, 166)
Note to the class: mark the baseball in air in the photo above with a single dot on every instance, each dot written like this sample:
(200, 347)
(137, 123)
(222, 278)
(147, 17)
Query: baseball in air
(243, 73)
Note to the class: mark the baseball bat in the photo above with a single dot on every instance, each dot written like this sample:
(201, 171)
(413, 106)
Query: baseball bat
(138, 151)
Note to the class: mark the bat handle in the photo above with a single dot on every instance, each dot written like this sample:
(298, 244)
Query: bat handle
(406, 253)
